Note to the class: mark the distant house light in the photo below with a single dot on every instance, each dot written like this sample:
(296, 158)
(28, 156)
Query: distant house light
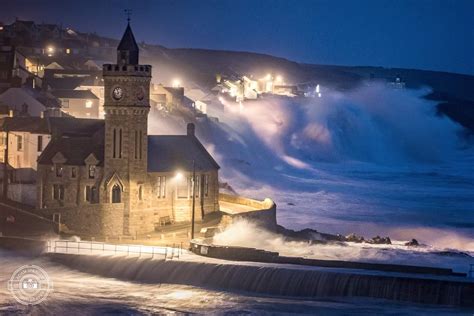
(1, 27)
(68, 50)
(50, 50)
(176, 83)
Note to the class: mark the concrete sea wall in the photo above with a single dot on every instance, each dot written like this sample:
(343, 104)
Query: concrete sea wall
(276, 281)
(263, 213)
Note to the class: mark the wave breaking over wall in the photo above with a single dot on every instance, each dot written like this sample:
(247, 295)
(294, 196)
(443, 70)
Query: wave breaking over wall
(278, 281)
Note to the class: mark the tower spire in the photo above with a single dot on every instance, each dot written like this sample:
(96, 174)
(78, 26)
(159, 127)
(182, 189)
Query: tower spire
(127, 50)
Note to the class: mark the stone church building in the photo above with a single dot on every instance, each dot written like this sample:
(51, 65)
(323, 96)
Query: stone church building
(111, 178)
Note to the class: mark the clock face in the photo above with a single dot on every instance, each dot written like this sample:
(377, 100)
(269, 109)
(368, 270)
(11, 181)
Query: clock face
(140, 93)
(117, 93)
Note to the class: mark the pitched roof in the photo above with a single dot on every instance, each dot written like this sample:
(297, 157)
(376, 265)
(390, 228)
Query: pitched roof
(74, 94)
(128, 41)
(72, 126)
(74, 149)
(177, 152)
(32, 124)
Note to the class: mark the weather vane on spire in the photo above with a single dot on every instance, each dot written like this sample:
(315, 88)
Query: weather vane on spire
(128, 12)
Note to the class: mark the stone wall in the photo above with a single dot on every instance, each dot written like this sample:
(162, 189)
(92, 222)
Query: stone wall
(23, 193)
(90, 220)
(264, 213)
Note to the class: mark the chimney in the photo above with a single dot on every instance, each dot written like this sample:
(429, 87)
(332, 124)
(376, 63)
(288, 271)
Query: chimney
(190, 129)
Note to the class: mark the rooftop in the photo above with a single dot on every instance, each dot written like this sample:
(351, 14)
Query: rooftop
(177, 152)
(74, 94)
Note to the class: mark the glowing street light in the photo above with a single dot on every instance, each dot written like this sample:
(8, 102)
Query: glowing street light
(179, 176)
(279, 79)
(176, 83)
(268, 77)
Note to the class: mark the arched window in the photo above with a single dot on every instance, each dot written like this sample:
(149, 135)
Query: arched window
(116, 194)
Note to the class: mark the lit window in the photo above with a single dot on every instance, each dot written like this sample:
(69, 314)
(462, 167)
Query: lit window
(59, 171)
(91, 172)
(68, 50)
(206, 185)
(88, 104)
(19, 143)
(182, 187)
(161, 187)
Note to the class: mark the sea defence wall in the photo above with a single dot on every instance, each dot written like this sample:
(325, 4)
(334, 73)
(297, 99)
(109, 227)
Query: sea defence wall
(257, 255)
(276, 280)
(261, 212)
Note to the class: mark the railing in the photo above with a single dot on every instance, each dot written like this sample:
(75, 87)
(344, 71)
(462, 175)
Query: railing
(99, 248)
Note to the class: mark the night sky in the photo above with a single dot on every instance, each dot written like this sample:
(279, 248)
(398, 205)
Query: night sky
(423, 34)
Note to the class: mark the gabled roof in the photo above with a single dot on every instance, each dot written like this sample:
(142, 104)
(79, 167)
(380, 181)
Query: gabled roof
(74, 94)
(170, 153)
(128, 41)
(72, 126)
(74, 149)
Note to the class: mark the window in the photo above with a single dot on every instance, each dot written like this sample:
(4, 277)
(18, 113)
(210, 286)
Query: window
(116, 194)
(138, 144)
(88, 104)
(58, 192)
(197, 187)
(40, 143)
(182, 188)
(161, 187)
(73, 172)
(91, 172)
(68, 51)
(120, 144)
(91, 194)
(59, 171)
(19, 142)
(117, 143)
(140, 192)
(114, 143)
(206, 185)
(140, 135)
(65, 103)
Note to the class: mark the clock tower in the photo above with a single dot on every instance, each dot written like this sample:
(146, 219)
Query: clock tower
(127, 103)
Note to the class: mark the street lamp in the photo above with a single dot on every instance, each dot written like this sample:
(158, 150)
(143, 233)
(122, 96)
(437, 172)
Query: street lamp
(193, 182)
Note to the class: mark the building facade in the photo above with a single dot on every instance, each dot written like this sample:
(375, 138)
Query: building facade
(118, 180)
